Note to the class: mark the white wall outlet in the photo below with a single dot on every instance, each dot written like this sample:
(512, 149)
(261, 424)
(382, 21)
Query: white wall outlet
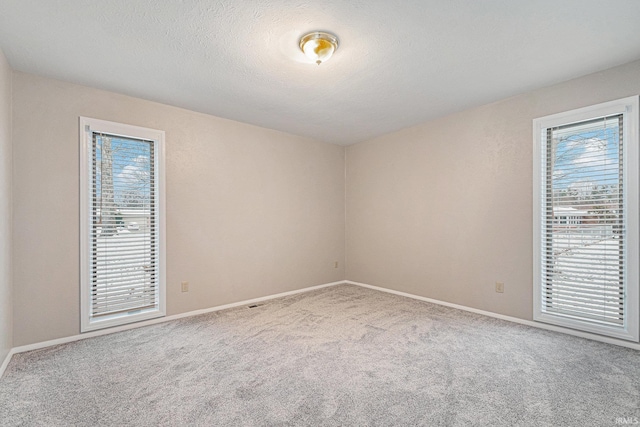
(185, 286)
(499, 287)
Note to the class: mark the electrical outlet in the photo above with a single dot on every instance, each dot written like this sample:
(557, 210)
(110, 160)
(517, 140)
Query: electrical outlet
(500, 287)
(185, 286)
(335, 264)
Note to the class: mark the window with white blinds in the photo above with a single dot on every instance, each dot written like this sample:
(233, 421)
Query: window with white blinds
(586, 219)
(122, 223)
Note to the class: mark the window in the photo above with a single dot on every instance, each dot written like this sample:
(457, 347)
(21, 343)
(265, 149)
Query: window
(122, 223)
(586, 219)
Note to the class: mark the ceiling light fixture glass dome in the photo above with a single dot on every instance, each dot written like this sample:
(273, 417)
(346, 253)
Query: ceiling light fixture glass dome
(318, 46)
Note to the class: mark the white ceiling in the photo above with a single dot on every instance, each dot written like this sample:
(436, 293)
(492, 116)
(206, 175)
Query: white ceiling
(400, 63)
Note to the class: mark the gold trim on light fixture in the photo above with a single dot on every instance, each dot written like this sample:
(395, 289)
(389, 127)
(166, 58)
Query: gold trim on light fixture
(318, 46)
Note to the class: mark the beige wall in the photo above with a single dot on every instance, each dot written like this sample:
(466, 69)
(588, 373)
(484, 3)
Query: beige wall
(6, 304)
(6, 307)
(441, 210)
(250, 211)
(444, 209)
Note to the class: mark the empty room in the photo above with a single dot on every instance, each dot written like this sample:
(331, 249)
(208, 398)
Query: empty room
(339, 213)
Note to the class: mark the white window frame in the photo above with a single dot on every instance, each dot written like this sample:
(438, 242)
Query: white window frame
(87, 127)
(629, 108)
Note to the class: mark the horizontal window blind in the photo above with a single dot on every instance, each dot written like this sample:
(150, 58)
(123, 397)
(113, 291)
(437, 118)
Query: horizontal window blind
(123, 226)
(583, 222)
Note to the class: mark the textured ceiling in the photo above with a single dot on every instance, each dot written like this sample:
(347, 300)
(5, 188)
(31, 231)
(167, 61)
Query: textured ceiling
(399, 63)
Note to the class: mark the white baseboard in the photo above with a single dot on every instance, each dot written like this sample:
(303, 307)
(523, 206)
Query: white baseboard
(44, 344)
(113, 330)
(5, 362)
(580, 334)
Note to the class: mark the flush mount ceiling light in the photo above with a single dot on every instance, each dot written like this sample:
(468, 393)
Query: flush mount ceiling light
(319, 46)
